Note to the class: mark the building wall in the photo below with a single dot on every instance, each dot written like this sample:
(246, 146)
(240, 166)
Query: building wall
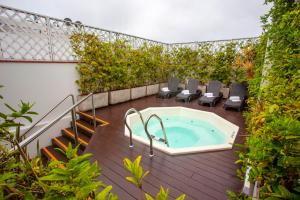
(43, 84)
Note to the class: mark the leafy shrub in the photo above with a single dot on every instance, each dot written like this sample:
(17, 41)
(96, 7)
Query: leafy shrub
(117, 65)
(223, 61)
(22, 177)
(75, 179)
(272, 149)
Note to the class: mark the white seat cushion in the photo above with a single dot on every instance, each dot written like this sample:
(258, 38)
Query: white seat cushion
(185, 92)
(208, 94)
(235, 98)
(165, 89)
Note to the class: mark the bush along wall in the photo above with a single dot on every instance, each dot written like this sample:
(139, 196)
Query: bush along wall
(106, 66)
(273, 148)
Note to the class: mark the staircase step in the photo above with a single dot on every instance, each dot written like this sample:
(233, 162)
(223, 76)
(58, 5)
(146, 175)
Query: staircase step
(85, 127)
(53, 154)
(63, 143)
(82, 138)
(89, 118)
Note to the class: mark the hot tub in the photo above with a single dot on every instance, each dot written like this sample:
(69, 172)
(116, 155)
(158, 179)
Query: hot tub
(187, 130)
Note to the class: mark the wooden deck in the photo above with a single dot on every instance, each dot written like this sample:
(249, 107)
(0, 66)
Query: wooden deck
(199, 176)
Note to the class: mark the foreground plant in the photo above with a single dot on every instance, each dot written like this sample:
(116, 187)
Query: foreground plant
(74, 179)
(136, 170)
(22, 177)
(138, 176)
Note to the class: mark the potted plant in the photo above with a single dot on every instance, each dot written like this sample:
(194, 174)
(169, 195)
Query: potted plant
(138, 92)
(119, 90)
(100, 100)
(88, 83)
(152, 89)
(152, 86)
(138, 88)
(118, 96)
(225, 91)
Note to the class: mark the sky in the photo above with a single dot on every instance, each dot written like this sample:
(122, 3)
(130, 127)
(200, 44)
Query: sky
(162, 20)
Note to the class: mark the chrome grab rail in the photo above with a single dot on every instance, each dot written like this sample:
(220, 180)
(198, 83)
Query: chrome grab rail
(94, 113)
(130, 111)
(35, 135)
(53, 108)
(162, 127)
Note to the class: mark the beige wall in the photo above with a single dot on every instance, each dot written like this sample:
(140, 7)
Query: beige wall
(44, 84)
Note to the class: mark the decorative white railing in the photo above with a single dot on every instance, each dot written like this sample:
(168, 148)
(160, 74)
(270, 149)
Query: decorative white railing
(215, 44)
(33, 37)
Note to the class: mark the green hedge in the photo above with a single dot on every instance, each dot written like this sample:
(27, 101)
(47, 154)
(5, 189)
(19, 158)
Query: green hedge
(273, 147)
(106, 66)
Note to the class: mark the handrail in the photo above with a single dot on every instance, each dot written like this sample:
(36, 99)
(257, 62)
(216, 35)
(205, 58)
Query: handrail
(45, 115)
(130, 111)
(35, 135)
(162, 127)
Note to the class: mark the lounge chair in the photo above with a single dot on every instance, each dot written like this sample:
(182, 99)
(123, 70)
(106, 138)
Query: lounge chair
(192, 91)
(212, 95)
(172, 89)
(238, 94)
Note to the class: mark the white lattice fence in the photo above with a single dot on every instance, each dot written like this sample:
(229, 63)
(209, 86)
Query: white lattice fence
(30, 36)
(214, 44)
(33, 37)
(23, 36)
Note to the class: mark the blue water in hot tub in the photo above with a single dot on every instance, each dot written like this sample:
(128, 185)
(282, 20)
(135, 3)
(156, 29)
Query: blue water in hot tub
(182, 131)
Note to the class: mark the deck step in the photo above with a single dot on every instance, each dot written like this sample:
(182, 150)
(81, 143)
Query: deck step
(53, 154)
(85, 127)
(63, 143)
(89, 118)
(82, 138)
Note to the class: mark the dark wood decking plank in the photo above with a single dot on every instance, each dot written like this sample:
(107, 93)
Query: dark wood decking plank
(201, 176)
(208, 175)
(121, 153)
(159, 173)
(120, 181)
(123, 194)
(179, 163)
(150, 182)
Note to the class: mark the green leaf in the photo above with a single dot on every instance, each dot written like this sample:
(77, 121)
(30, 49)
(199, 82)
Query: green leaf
(181, 197)
(27, 118)
(148, 197)
(9, 107)
(297, 189)
(54, 177)
(284, 192)
(132, 180)
(88, 188)
(272, 198)
(162, 194)
(104, 193)
(32, 113)
(128, 164)
(28, 196)
(3, 116)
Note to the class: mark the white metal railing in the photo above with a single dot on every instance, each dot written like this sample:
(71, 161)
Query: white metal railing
(33, 37)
